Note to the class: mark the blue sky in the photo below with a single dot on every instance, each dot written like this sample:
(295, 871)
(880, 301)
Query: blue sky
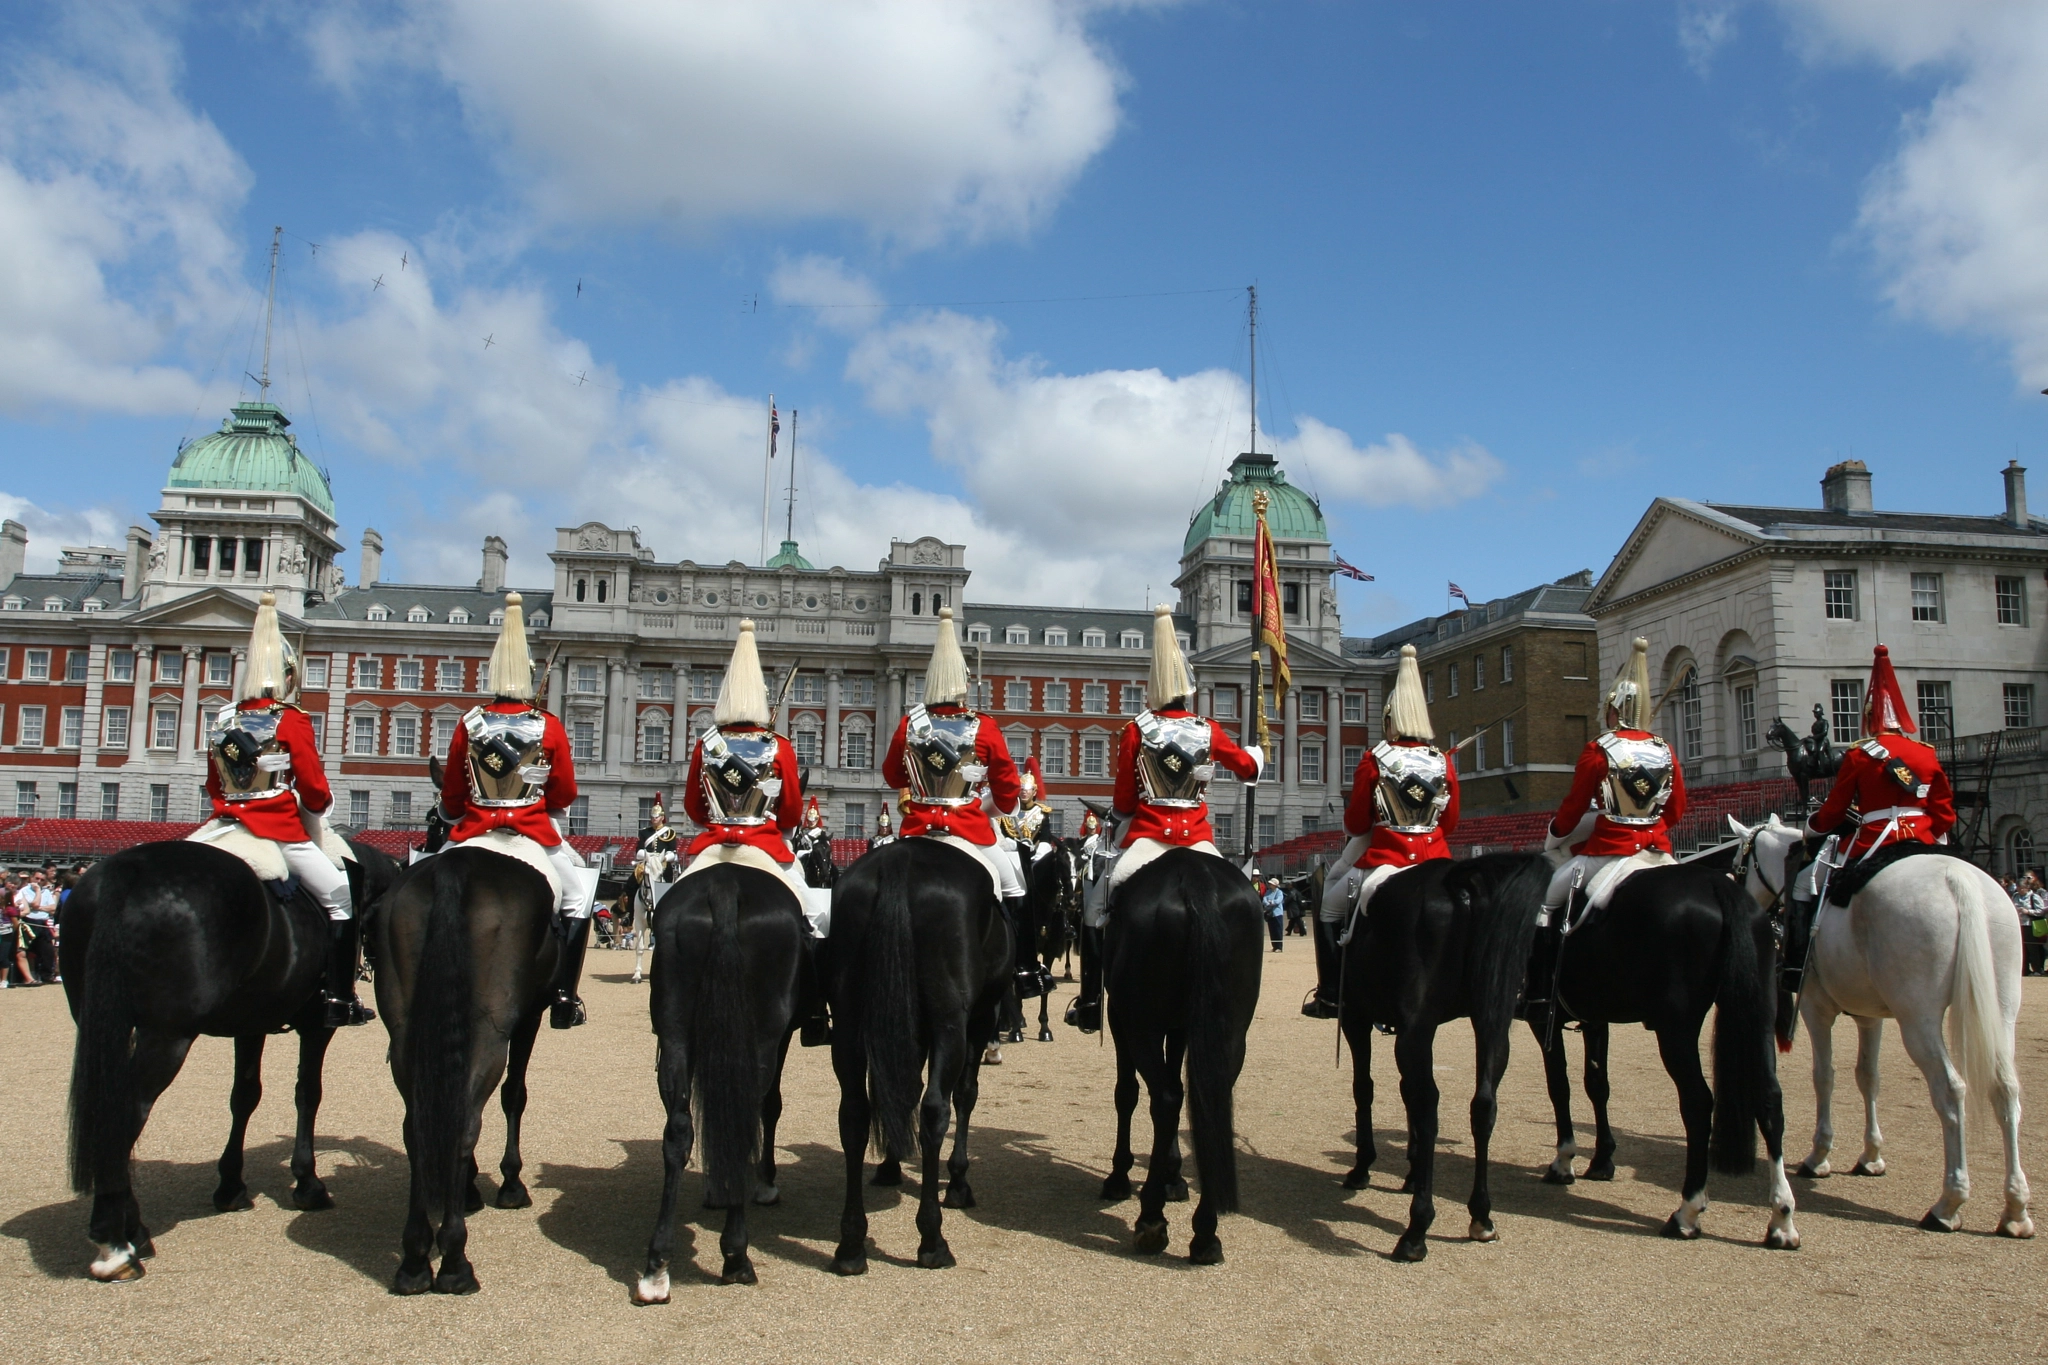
(1521, 268)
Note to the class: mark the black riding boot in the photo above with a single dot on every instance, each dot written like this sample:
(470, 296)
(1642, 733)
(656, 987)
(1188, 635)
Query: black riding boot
(567, 1010)
(1024, 948)
(1322, 1001)
(1540, 985)
(1085, 1013)
(815, 1028)
(338, 1000)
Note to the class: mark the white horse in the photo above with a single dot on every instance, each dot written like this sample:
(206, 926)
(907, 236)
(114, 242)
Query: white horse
(1926, 937)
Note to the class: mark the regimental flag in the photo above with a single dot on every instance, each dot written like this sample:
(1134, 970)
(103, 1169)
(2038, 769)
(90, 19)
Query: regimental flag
(1346, 569)
(1272, 627)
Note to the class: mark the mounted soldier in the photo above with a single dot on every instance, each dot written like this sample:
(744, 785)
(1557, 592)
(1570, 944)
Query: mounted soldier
(1403, 809)
(1032, 826)
(1626, 794)
(1165, 760)
(266, 782)
(509, 779)
(885, 832)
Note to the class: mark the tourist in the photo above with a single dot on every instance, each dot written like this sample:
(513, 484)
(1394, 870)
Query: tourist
(2032, 904)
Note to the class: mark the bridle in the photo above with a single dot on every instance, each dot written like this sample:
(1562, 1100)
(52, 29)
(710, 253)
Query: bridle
(1746, 861)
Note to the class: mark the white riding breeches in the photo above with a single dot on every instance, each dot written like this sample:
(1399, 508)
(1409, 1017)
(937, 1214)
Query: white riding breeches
(325, 882)
(579, 883)
(1341, 882)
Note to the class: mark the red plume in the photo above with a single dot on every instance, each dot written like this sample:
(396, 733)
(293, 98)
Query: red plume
(1885, 706)
(1037, 774)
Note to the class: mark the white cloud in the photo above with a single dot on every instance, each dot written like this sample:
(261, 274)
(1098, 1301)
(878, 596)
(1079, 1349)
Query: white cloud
(922, 119)
(1959, 216)
(1704, 28)
(51, 529)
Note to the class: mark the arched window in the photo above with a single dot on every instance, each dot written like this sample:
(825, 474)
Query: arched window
(600, 589)
(2019, 851)
(582, 586)
(804, 739)
(917, 604)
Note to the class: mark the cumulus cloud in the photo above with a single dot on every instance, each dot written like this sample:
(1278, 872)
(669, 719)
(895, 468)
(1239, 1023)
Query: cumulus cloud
(1704, 28)
(922, 119)
(1958, 217)
(50, 529)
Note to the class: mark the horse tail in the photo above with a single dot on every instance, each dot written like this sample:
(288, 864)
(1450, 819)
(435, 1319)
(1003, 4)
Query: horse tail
(1745, 1063)
(889, 1012)
(1214, 1045)
(102, 1079)
(1502, 939)
(1976, 1025)
(439, 1030)
(725, 1077)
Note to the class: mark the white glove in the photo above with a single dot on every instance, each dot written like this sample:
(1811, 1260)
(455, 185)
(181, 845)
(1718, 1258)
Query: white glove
(771, 787)
(274, 763)
(1553, 842)
(535, 774)
(1258, 757)
(1205, 772)
(973, 772)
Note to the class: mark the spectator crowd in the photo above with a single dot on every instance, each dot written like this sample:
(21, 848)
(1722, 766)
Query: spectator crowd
(31, 905)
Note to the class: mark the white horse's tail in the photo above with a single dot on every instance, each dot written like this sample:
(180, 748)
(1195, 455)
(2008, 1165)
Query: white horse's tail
(1976, 1024)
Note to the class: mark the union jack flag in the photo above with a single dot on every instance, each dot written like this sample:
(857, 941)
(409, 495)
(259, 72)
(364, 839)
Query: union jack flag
(774, 427)
(1346, 569)
(1459, 593)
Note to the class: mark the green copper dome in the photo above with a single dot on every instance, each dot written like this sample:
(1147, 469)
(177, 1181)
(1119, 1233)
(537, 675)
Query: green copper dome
(252, 452)
(788, 558)
(1290, 513)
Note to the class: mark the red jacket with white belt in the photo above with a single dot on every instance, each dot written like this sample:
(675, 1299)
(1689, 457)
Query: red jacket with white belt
(1610, 839)
(771, 838)
(968, 822)
(1865, 782)
(1181, 826)
(533, 821)
(277, 816)
(1390, 847)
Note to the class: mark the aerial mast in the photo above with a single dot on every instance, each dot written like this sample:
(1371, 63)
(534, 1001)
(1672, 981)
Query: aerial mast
(789, 525)
(269, 311)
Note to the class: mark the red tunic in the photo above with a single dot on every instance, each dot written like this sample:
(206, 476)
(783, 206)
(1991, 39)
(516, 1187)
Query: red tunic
(1610, 839)
(532, 821)
(1181, 826)
(277, 816)
(1865, 784)
(969, 822)
(1389, 846)
(772, 838)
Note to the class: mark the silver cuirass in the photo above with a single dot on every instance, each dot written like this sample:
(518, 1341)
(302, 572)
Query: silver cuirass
(736, 763)
(938, 748)
(1173, 760)
(507, 757)
(1638, 782)
(236, 744)
(1414, 787)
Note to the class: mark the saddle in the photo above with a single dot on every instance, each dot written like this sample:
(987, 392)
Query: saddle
(1846, 882)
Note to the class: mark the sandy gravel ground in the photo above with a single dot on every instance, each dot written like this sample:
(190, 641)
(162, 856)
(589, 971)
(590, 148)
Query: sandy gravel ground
(1045, 1270)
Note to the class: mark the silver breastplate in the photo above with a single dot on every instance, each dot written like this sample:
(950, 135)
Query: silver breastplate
(735, 764)
(1173, 760)
(1414, 787)
(937, 748)
(1638, 782)
(235, 745)
(502, 751)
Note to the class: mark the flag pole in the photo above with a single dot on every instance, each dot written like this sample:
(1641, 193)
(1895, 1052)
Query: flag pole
(767, 467)
(1255, 713)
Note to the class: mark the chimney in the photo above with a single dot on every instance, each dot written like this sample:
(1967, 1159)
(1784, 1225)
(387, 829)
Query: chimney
(494, 565)
(373, 559)
(13, 550)
(1846, 487)
(138, 562)
(2016, 494)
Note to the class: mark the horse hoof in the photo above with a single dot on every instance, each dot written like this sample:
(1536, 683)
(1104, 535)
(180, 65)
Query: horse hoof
(1869, 1168)
(1482, 1231)
(939, 1257)
(1555, 1174)
(312, 1198)
(738, 1270)
(461, 1281)
(1781, 1239)
(116, 1265)
(1601, 1169)
(473, 1200)
(514, 1196)
(958, 1196)
(651, 1289)
(887, 1175)
(1678, 1231)
(1176, 1191)
(1150, 1238)
(1411, 1248)
(1358, 1178)
(768, 1196)
(850, 1262)
(1933, 1222)
(145, 1249)
(232, 1201)
(1044, 1035)
(1206, 1250)
(412, 1282)
(1116, 1187)
(1808, 1171)
(2021, 1227)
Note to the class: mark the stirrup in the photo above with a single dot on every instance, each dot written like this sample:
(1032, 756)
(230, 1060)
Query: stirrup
(1085, 1015)
(1313, 1006)
(815, 1031)
(567, 1013)
(345, 1012)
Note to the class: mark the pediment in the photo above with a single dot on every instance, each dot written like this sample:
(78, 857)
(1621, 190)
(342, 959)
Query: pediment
(209, 608)
(1237, 654)
(1673, 539)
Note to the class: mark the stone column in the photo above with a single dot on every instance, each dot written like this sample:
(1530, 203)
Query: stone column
(831, 755)
(140, 716)
(558, 688)
(236, 672)
(617, 724)
(1333, 745)
(775, 682)
(679, 718)
(891, 712)
(188, 710)
(1290, 729)
(89, 736)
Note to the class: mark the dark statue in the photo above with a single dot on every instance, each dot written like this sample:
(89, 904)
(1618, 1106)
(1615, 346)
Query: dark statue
(1809, 758)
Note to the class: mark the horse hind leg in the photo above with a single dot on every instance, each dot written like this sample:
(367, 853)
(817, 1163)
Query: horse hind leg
(1150, 1236)
(232, 1194)
(1492, 1064)
(1601, 1167)
(1680, 1049)
(1929, 1051)
(672, 1075)
(1414, 1051)
(849, 1061)
(512, 1191)
(1557, 1080)
(2014, 1221)
(1117, 1184)
(116, 1221)
(1819, 1015)
(766, 1191)
(309, 1191)
(959, 1194)
(1359, 1034)
(1869, 1043)
(948, 1061)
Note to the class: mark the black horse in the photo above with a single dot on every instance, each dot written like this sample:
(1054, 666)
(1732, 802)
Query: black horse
(1053, 891)
(164, 942)
(918, 960)
(724, 1000)
(1670, 944)
(819, 869)
(1183, 953)
(466, 952)
(1440, 941)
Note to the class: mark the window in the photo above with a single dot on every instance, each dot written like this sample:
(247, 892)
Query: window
(1225, 824)
(1094, 639)
(1094, 756)
(1016, 635)
(1311, 824)
(913, 689)
(1838, 588)
(1311, 761)
(220, 670)
(202, 554)
(1429, 686)
(602, 584)
(252, 557)
(1354, 708)
(444, 735)
(411, 674)
(114, 727)
(71, 727)
(1095, 698)
(805, 742)
(1479, 673)
(978, 634)
(448, 675)
(1131, 698)
(1311, 705)
(579, 816)
(704, 683)
(497, 617)
(808, 689)
(1226, 703)
(1056, 635)
(1017, 695)
(582, 588)
(1691, 738)
(860, 749)
(318, 720)
(377, 612)
(1936, 711)
(1927, 597)
(1130, 639)
(586, 679)
(25, 800)
(917, 604)
(1507, 744)
(1352, 755)
(363, 735)
(1846, 709)
(170, 666)
(654, 740)
(369, 672)
(164, 728)
(67, 800)
(359, 809)
(2019, 849)
(405, 736)
(1052, 755)
(415, 615)
(1244, 597)
(2019, 706)
(28, 727)
(583, 741)
(120, 665)
(1055, 696)
(1507, 663)
(1269, 830)
(856, 819)
(110, 800)
(2012, 600)
(982, 695)
(401, 810)
(74, 665)
(1745, 717)
(459, 616)
(1478, 752)
(316, 673)
(1290, 599)
(658, 684)
(37, 666)
(858, 690)
(1452, 673)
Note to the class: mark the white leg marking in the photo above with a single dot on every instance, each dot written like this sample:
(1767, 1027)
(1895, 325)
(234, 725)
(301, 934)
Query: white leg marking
(116, 1262)
(1686, 1220)
(652, 1288)
(1562, 1166)
(1781, 1235)
(768, 1194)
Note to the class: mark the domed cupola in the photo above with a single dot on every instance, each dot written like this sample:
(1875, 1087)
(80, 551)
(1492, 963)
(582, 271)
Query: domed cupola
(1291, 514)
(252, 452)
